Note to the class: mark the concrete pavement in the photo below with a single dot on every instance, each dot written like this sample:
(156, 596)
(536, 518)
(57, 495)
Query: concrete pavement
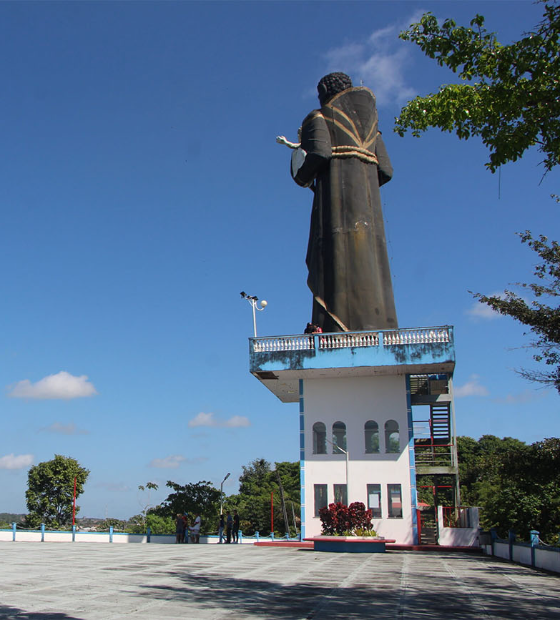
(88, 581)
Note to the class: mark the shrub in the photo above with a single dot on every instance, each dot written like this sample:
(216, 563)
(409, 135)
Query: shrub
(341, 520)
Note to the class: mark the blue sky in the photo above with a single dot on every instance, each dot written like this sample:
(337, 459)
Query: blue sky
(142, 190)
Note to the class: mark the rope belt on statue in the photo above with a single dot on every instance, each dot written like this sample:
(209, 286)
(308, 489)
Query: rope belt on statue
(331, 314)
(354, 151)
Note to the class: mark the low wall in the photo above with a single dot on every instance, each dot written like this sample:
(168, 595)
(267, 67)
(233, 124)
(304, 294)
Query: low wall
(529, 554)
(548, 559)
(459, 536)
(15, 535)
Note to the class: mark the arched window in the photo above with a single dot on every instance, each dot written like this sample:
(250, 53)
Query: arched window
(392, 441)
(371, 434)
(339, 437)
(319, 438)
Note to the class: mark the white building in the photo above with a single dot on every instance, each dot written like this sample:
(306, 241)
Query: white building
(361, 396)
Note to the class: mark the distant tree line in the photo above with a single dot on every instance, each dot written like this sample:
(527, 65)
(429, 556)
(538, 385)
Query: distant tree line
(516, 486)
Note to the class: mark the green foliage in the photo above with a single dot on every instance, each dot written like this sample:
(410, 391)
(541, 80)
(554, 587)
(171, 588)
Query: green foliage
(257, 482)
(515, 484)
(542, 319)
(50, 491)
(11, 517)
(192, 498)
(116, 524)
(160, 525)
(136, 524)
(509, 95)
(146, 500)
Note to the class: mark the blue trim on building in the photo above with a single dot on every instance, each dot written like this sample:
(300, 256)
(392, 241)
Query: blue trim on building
(302, 456)
(413, 354)
(412, 461)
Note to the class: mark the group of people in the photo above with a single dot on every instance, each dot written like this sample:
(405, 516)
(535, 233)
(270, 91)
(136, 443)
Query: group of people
(182, 527)
(312, 329)
(229, 527)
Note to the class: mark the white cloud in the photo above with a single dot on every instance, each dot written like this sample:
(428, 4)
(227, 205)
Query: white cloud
(208, 419)
(169, 462)
(11, 461)
(64, 429)
(379, 62)
(523, 397)
(481, 311)
(237, 421)
(471, 388)
(60, 386)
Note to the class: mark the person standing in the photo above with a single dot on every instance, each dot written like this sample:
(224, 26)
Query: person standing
(179, 529)
(235, 531)
(229, 526)
(221, 527)
(195, 530)
(185, 538)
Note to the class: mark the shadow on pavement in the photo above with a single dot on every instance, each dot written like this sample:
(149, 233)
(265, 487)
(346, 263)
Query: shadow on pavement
(420, 599)
(8, 613)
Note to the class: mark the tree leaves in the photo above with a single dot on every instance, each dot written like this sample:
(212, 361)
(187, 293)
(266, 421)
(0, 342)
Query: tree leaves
(514, 102)
(543, 320)
(50, 492)
(516, 485)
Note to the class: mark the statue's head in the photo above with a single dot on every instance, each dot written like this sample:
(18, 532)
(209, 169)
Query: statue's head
(331, 85)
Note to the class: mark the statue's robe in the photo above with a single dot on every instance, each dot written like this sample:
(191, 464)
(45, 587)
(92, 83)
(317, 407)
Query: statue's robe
(345, 165)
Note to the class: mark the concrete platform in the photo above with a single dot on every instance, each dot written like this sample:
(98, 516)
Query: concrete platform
(88, 581)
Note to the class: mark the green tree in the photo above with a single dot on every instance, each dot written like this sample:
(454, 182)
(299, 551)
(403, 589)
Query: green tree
(116, 524)
(254, 477)
(516, 485)
(193, 498)
(50, 491)
(160, 525)
(543, 320)
(257, 482)
(508, 95)
(146, 500)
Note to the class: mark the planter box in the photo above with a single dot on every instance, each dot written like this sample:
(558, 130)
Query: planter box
(349, 544)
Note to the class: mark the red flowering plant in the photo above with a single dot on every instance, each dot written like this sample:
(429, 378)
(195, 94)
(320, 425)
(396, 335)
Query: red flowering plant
(341, 520)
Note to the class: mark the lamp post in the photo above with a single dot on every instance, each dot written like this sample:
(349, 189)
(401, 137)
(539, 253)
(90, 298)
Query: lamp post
(255, 306)
(222, 495)
(347, 458)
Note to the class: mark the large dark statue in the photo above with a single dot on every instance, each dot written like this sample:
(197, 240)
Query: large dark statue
(343, 159)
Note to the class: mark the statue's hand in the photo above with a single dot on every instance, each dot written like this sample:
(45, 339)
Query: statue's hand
(285, 142)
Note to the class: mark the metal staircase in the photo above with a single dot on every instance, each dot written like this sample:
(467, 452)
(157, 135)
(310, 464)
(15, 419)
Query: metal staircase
(440, 423)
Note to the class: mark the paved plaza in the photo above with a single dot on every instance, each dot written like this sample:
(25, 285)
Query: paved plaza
(56, 581)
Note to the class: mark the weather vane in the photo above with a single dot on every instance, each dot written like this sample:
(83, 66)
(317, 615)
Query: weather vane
(254, 304)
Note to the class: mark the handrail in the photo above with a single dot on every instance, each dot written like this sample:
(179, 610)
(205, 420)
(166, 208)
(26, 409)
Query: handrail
(343, 340)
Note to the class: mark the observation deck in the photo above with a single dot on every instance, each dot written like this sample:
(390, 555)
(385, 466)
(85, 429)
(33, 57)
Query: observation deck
(279, 362)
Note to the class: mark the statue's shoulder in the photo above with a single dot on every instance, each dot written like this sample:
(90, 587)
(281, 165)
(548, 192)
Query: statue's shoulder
(350, 94)
(312, 116)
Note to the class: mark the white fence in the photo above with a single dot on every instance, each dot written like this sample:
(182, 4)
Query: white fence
(343, 340)
(529, 554)
(43, 535)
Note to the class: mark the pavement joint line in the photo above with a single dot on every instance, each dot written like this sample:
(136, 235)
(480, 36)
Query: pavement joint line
(527, 589)
(472, 595)
(403, 587)
(327, 598)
